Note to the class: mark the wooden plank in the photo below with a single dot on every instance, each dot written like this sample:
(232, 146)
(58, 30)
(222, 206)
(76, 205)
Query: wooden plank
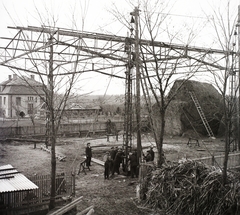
(85, 210)
(67, 207)
(98, 161)
(58, 156)
(24, 140)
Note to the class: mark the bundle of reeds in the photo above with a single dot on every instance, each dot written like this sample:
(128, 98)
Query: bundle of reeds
(192, 187)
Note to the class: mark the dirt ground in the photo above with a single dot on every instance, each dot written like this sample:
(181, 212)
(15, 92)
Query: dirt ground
(114, 196)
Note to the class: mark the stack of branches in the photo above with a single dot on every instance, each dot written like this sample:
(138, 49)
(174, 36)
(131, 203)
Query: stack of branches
(192, 187)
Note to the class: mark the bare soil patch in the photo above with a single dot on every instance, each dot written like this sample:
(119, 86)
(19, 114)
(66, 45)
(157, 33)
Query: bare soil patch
(114, 196)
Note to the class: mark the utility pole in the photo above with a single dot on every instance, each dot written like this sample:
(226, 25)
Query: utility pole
(135, 14)
(127, 137)
(238, 53)
(52, 126)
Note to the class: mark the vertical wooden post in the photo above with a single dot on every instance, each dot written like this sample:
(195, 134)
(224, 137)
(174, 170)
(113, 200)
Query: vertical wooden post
(73, 184)
(138, 76)
(52, 127)
(238, 109)
(213, 160)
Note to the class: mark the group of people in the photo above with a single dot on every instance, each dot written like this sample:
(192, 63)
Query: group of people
(112, 162)
(114, 159)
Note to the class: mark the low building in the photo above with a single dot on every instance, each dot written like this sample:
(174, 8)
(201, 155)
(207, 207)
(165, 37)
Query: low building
(77, 111)
(16, 190)
(20, 96)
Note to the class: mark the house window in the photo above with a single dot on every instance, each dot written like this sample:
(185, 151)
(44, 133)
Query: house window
(4, 100)
(30, 98)
(18, 101)
(35, 99)
(30, 108)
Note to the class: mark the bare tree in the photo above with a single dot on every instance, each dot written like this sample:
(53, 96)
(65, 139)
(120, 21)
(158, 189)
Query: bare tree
(39, 53)
(162, 65)
(223, 24)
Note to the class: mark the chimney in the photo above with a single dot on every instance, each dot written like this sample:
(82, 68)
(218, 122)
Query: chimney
(9, 77)
(32, 77)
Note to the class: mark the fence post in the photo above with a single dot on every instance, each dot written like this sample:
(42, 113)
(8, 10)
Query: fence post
(238, 160)
(213, 160)
(73, 185)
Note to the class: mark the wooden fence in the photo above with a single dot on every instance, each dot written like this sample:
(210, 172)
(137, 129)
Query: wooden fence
(65, 129)
(217, 160)
(30, 201)
(80, 129)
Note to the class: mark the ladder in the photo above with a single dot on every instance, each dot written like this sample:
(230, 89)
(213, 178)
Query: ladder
(200, 111)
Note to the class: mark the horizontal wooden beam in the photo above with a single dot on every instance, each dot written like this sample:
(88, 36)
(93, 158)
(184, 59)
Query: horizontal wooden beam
(67, 207)
(80, 34)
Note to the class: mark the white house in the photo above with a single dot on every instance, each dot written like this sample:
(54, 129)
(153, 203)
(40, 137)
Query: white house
(20, 95)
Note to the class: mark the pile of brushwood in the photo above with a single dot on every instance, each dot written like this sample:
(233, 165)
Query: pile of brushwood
(191, 187)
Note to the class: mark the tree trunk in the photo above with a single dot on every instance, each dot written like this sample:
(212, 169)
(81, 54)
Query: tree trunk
(33, 122)
(226, 154)
(53, 174)
(53, 160)
(159, 142)
(52, 130)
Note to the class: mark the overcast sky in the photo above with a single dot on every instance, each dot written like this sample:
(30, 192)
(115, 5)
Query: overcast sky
(97, 18)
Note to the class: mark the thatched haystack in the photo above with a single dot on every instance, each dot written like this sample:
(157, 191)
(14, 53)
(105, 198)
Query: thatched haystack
(191, 187)
(182, 114)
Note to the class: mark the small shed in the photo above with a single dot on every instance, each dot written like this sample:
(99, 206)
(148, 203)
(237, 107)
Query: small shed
(75, 111)
(15, 189)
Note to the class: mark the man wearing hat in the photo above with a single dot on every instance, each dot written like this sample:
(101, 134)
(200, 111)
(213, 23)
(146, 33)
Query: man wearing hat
(117, 161)
(88, 152)
(113, 153)
(133, 164)
(107, 165)
(151, 152)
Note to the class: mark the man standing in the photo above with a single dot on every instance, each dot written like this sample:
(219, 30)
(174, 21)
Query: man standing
(88, 155)
(133, 164)
(107, 165)
(151, 153)
(113, 153)
(117, 161)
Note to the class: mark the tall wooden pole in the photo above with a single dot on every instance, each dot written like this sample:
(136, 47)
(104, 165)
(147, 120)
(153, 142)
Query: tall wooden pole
(138, 76)
(52, 127)
(238, 53)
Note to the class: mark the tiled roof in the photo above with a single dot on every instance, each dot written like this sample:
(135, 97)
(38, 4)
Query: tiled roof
(22, 90)
(22, 86)
(11, 180)
(23, 81)
(75, 106)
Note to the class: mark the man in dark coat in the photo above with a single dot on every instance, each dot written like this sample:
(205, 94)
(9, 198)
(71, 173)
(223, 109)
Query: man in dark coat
(117, 161)
(107, 165)
(88, 152)
(133, 164)
(151, 153)
(148, 157)
(113, 153)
